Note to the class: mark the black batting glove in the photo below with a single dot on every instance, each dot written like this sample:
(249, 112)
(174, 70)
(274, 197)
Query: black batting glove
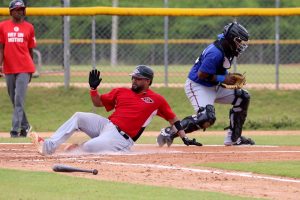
(94, 79)
(188, 142)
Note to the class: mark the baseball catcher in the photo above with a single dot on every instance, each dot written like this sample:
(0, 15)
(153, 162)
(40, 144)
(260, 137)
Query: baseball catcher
(209, 82)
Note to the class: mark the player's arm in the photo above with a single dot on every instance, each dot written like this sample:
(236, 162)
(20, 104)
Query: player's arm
(94, 81)
(175, 122)
(181, 132)
(230, 80)
(95, 96)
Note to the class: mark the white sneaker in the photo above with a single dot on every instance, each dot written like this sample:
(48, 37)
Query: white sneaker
(227, 140)
(37, 141)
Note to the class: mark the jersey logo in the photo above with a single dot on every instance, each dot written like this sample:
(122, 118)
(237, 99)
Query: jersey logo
(16, 29)
(147, 100)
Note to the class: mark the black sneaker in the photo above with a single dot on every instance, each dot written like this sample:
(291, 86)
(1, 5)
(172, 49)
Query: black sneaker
(14, 134)
(242, 140)
(24, 132)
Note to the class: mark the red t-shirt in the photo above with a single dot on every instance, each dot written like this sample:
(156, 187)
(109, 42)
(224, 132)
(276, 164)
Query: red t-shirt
(17, 39)
(133, 112)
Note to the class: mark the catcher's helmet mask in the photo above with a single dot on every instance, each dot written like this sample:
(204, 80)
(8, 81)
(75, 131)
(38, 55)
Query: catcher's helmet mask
(143, 71)
(16, 4)
(237, 36)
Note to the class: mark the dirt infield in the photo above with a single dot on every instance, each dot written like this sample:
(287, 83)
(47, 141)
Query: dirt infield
(171, 167)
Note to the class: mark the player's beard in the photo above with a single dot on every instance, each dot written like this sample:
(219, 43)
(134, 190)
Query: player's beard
(136, 88)
(19, 16)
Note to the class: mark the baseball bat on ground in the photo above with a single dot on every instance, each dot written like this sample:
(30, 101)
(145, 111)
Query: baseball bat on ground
(66, 168)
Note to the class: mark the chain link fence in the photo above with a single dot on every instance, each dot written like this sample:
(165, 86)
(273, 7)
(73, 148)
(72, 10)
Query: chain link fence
(169, 44)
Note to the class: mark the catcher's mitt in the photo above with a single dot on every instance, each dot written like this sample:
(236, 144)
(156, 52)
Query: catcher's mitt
(240, 81)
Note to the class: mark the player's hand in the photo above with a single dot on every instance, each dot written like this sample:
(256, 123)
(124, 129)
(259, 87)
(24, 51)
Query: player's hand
(229, 79)
(188, 142)
(94, 79)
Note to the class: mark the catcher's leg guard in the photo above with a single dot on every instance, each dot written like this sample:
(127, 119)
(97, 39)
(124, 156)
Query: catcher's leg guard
(204, 118)
(238, 113)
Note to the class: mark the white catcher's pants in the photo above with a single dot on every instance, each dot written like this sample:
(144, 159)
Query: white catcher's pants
(200, 95)
(103, 133)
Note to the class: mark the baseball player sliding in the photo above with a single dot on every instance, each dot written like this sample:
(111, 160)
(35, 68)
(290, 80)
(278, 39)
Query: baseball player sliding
(209, 82)
(133, 110)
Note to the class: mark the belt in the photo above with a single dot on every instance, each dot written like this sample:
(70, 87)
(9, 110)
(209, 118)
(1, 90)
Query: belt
(122, 133)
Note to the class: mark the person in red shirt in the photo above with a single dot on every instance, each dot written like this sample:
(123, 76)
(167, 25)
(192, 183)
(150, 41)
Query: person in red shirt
(17, 41)
(133, 109)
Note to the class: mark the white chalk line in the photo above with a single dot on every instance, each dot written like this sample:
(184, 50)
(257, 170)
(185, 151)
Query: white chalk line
(249, 175)
(210, 145)
(239, 174)
(173, 145)
(197, 152)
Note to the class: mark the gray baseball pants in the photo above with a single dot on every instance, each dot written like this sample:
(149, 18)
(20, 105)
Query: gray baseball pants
(103, 133)
(17, 87)
(200, 96)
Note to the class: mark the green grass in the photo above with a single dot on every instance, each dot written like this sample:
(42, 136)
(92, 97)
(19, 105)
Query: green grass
(177, 73)
(277, 140)
(41, 185)
(48, 108)
(283, 168)
(14, 140)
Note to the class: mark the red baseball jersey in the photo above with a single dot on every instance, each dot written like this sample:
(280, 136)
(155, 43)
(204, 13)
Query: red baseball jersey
(17, 39)
(133, 112)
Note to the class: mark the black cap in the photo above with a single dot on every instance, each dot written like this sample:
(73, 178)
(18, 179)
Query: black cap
(143, 71)
(16, 4)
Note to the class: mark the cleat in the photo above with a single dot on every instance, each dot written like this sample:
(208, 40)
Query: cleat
(24, 132)
(14, 134)
(164, 137)
(244, 141)
(37, 141)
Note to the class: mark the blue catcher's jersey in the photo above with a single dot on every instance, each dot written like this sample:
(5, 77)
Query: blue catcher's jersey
(211, 62)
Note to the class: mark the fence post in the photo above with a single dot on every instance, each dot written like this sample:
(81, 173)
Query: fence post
(277, 53)
(166, 58)
(67, 47)
(93, 42)
(114, 37)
